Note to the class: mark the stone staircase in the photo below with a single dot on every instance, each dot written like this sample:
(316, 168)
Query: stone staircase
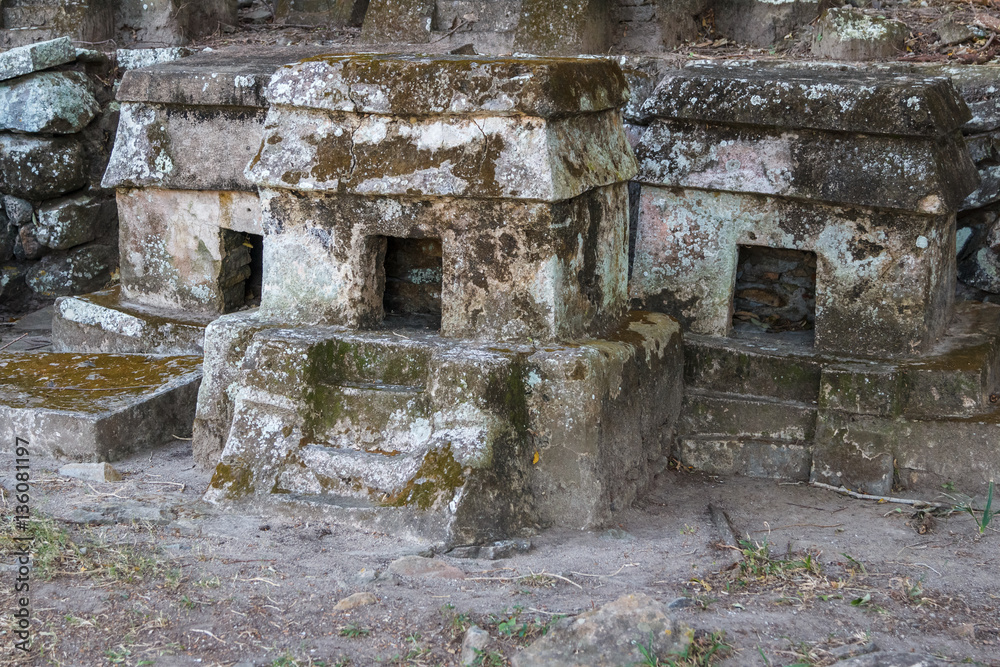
(30, 21)
(767, 406)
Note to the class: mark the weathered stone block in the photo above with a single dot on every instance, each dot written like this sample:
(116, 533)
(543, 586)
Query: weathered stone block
(769, 368)
(183, 147)
(172, 22)
(129, 59)
(397, 22)
(929, 175)
(95, 407)
(687, 250)
(826, 99)
(180, 248)
(747, 457)
(624, 393)
(39, 168)
(27, 245)
(35, 57)
(852, 451)
(102, 322)
(409, 422)
(847, 33)
(762, 22)
(455, 455)
(507, 265)
(47, 102)
(18, 210)
(609, 635)
(746, 417)
(65, 223)
(555, 27)
(84, 269)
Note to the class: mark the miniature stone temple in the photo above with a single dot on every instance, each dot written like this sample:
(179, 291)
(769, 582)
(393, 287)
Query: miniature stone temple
(190, 237)
(443, 336)
(823, 202)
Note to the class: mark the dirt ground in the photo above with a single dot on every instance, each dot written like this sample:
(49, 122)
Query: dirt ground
(142, 572)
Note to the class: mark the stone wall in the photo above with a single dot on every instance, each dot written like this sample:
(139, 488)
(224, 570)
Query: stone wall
(58, 228)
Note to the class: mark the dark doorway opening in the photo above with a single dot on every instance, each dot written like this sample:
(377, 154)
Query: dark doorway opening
(775, 290)
(413, 276)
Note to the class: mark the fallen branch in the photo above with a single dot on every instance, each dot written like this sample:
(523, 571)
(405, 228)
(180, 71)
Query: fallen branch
(883, 499)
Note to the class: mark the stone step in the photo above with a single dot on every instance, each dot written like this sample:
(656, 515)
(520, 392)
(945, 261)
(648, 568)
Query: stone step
(95, 407)
(738, 417)
(751, 367)
(774, 459)
(925, 457)
(378, 476)
(955, 378)
(104, 322)
(373, 416)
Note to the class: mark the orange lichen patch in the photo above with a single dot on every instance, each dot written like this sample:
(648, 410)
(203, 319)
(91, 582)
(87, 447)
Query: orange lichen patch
(88, 383)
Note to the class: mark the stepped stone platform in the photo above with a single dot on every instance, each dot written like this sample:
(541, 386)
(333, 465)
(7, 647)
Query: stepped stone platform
(95, 407)
(445, 265)
(769, 405)
(865, 171)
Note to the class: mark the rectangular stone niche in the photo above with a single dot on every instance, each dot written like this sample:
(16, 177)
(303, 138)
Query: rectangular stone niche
(413, 273)
(775, 290)
(254, 283)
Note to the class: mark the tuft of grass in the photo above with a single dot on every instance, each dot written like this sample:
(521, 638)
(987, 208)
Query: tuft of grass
(54, 552)
(703, 651)
(353, 631)
(986, 516)
(757, 563)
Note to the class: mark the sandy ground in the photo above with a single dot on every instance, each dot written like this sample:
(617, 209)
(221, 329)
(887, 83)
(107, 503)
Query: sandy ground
(142, 572)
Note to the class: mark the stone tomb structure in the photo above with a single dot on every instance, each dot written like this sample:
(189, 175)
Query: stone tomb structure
(443, 342)
(190, 233)
(839, 189)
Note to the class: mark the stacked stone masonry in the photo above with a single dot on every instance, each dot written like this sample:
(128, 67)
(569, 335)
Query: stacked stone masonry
(732, 159)
(446, 251)
(58, 229)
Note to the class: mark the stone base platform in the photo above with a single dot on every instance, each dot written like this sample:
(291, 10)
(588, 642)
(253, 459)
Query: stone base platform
(767, 405)
(104, 322)
(95, 407)
(463, 442)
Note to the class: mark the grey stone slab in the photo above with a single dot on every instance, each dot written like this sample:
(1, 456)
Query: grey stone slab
(129, 59)
(929, 175)
(405, 85)
(35, 57)
(235, 77)
(814, 98)
(95, 407)
(47, 102)
(102, 322)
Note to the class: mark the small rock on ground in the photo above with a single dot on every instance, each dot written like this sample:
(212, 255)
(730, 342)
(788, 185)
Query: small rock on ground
(473, 645)
(417, 566)
(357, 600)
(609, 636)
(91, 472)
